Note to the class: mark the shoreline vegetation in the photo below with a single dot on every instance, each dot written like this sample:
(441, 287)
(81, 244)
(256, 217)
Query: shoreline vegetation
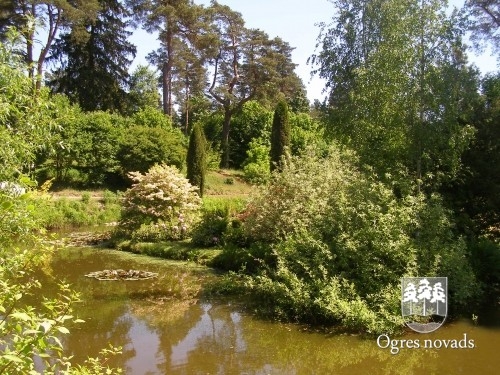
(396, 173)
(220, 243)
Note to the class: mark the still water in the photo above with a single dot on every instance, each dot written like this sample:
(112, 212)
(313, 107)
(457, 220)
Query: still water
(164, 328)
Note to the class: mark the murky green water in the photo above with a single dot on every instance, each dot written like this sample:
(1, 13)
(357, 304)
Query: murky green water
(164, 331)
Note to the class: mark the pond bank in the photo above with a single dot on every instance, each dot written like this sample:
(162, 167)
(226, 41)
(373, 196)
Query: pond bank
(168, 325)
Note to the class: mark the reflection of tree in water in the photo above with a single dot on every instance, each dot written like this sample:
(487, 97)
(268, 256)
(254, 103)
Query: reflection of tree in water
(180, 337)
(106, 304)
(170, 320)
(211, 344)
(109, 324)
(218, 339)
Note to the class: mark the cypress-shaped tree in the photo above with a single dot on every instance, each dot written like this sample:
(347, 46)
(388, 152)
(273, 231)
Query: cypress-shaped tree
(196, 158)
(280, 134)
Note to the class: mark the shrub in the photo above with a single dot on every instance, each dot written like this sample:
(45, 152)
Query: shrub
(210, 230)
(63, 213)
(161, 202)
(151, 117)
(141, 147)
(342, 241)
(485, 258)
(93, 146)
(30, 337)
(252, 121)
(247, 259)
(256, 165)
(218, 223)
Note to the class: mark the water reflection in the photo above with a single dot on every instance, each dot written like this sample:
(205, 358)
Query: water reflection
(162, 332)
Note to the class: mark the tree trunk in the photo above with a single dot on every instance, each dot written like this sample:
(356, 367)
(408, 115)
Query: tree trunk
(165, 88)
(167, 73)
(224, 163)
(30, 39)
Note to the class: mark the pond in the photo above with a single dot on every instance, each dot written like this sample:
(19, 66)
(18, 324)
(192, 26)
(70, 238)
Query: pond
(164, 329)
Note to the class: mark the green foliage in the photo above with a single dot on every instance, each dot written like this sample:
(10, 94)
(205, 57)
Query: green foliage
(485, 258)
(168, 250)
(61, 155)
(141, 147)
(27, 333)
(66, 213)
(96, 146)
(239, 257)
(476, 194)
(398, 86)
(483, 23)
(196, 159)
(256, 165)
(26, 119)
(152, 117)
(160, 205)
(306, 132)
(95, 60)
(143, 91)
(251, 122)
(211, 229)
(83, 151)
(98, 149)
(342, 241)
(217, 223)
(280, 135)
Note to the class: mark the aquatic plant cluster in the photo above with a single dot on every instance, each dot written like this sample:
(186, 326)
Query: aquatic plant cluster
(119, 274)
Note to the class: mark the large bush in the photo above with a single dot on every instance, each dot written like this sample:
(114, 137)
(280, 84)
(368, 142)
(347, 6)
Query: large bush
(141, 147)
(160, 205)
(256, 166)
(251, 122)
(341, 242)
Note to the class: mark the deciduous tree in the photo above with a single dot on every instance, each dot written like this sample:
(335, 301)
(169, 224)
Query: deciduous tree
(399, 82)
(143, 88)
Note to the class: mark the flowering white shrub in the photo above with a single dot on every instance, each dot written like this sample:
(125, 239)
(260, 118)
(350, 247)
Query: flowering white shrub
(160, 205)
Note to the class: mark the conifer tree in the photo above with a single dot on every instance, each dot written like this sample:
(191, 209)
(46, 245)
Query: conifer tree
(196, 159)
(280, 134)
(93, 68)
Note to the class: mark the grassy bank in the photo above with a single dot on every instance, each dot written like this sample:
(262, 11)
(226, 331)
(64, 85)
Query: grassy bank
(226, 195)
(72, 209)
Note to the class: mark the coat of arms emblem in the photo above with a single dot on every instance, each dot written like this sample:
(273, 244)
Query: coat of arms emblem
(424, 302)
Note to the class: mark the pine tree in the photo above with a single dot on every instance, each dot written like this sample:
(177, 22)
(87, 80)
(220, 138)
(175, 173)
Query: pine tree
(93, 69)
(196, 159)
(280, 135)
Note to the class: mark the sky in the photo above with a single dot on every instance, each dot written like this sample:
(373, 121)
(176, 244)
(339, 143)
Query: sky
(294, 21)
